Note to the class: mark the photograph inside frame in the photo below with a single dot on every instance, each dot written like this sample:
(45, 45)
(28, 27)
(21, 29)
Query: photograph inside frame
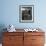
(26, 13)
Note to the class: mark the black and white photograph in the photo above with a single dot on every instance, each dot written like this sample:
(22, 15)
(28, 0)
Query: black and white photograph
(26, 13)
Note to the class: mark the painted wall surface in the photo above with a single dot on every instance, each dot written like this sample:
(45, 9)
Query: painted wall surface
(10, 13)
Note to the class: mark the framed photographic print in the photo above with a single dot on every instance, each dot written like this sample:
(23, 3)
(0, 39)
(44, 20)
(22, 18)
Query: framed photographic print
(26, 13)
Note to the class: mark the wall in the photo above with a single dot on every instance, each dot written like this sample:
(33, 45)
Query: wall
(10, 13)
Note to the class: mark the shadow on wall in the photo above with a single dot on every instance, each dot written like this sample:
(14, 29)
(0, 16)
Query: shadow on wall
(2, 26)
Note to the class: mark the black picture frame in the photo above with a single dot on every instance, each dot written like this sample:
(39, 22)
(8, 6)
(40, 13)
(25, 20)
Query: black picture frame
(26, 13)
